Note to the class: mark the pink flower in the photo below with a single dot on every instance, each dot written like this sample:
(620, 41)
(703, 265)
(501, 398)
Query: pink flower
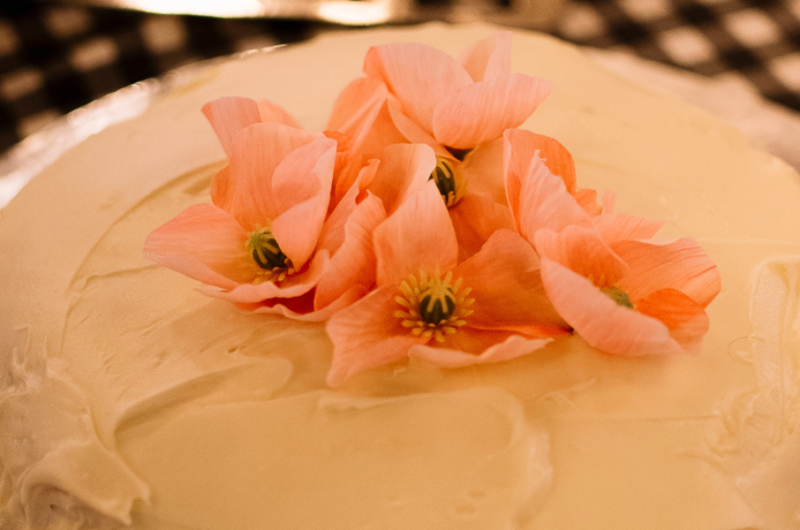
(451, 105)
(631, 297)
(230, 115)
(426, 305)
(416, 93)
(404, 168)
(268, 210)
(623, 293)
(258, 243)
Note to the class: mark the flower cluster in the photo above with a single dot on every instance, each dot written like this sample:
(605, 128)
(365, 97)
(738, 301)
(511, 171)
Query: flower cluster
(423, 223)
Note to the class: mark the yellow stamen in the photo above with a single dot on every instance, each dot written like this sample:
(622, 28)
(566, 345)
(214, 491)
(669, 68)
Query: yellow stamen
(433, 307)
(273, 264)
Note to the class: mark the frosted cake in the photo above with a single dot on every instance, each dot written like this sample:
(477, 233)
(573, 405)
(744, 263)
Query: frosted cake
(131, 398)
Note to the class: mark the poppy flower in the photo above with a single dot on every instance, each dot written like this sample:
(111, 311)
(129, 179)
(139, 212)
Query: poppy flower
(257, 239)
(260, 242)
(416, 93)
(451, 105)
(621, 291)
(426, 305)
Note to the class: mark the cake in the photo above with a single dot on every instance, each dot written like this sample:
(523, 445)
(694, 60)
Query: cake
(130, 399)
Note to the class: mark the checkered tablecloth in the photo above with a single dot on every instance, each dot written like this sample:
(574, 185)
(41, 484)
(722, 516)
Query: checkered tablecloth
(54, 59)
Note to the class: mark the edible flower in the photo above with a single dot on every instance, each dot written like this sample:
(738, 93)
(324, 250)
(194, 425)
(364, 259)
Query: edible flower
(257, 239)
(422, 224)
(416, 93)
(629, 297)
(621, 291)
(230, 115)
(489, 308)
(450, 105)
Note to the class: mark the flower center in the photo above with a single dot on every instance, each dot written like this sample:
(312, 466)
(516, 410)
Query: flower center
(268, 254)
(447, 180)
(265, 249)
(437, 303)
(618, 295)
(433, 307)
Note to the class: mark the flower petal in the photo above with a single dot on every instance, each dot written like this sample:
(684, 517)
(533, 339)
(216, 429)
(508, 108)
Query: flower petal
(404, 168)
(685, 318)
(538, 199)
(583, 251)
(418, 236)
(480, 112)
(419, 76)
(357, 108)
(204, 243)
(297, 308)
(474, 346)
(383, 133)
(302, 307)
(302, 188)
(366, 335)
(293, 286)
(350, 167)
(410, 130)
(222, 189)
(489, 58)
(304, 173)
(483, 170)
(555, 156)
(599, 320)
(619, 226)
(257, 152)
(228, 116)
(352, 264)
(333, 232)
(681, 265)
(475, 218)
(587, 199)
(507, 288)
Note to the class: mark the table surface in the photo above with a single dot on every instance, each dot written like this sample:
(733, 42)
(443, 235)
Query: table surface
(54, 58)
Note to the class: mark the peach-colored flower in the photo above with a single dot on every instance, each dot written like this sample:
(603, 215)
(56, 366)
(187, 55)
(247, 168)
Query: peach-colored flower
(258, 243)
(229, 115)
(551, 202)
(404, 168)
(426, 305)
(360, 112)
(452, 105)
(416, 93)
(623, 293)
(629, 297)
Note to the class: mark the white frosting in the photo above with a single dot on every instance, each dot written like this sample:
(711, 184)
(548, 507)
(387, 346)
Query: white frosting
(128, 398)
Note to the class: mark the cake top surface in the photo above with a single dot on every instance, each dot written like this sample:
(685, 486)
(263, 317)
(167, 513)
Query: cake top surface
(138, 362)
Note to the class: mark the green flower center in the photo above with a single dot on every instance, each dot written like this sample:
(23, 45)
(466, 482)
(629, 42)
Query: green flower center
(433, 307)
(444, 174)
(436, 303)
(618, 295)
(266, 252)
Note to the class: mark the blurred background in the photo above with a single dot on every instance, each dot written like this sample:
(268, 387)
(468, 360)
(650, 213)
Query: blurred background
(56, 56)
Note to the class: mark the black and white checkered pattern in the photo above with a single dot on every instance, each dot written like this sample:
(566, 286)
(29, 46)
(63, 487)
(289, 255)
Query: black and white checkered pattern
(54, 59)
(756, 40)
